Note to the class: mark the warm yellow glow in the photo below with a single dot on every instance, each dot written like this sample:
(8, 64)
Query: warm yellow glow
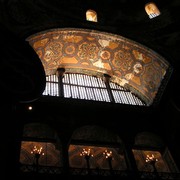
(107, 154)
(152, 10)
(151, 158)
(30, 107)
(86, 153)
(91, 15)
(37, 150)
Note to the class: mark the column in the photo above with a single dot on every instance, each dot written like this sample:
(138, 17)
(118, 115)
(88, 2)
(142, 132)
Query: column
(107, 80)
(60, 73)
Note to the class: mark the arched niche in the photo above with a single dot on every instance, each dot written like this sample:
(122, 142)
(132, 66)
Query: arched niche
(41, 149)
(151, 154)
(97, 141)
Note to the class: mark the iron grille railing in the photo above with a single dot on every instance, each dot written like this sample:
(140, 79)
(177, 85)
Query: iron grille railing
(41, 169)
(126, 174)
(80, 86)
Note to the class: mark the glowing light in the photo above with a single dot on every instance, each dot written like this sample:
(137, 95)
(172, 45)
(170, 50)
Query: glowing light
(30, 107)
(152, 10)
(107, 154)
(91, 15)
(151, 159)
(86, 153)
(37, 151)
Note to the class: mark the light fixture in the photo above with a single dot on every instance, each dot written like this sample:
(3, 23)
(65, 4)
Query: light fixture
(152, 10)
(87, 155)
(37, 152)
(152, 161)
(109, 157)
(30, 108)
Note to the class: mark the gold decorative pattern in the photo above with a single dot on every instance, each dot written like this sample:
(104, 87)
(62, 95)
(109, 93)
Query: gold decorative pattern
(129, 63)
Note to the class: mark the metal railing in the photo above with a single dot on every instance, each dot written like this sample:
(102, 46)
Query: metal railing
(87, 87)
(124, 174)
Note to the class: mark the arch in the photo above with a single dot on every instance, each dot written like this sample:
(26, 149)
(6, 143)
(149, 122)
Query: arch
(148, 140)
(130, 64)
(98, 141)
(39, 130)
(40, 149)
(152, 10)
(95, 133)
(150, 153)
(91, 15)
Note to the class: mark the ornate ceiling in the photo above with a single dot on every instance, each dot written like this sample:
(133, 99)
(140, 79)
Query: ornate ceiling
(129, 64)
(21, 19)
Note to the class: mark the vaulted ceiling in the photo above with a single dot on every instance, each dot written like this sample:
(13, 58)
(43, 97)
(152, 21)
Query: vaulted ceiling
(21, 19)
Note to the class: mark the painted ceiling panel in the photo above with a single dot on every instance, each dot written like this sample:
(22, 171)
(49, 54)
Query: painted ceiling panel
(130, 64)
